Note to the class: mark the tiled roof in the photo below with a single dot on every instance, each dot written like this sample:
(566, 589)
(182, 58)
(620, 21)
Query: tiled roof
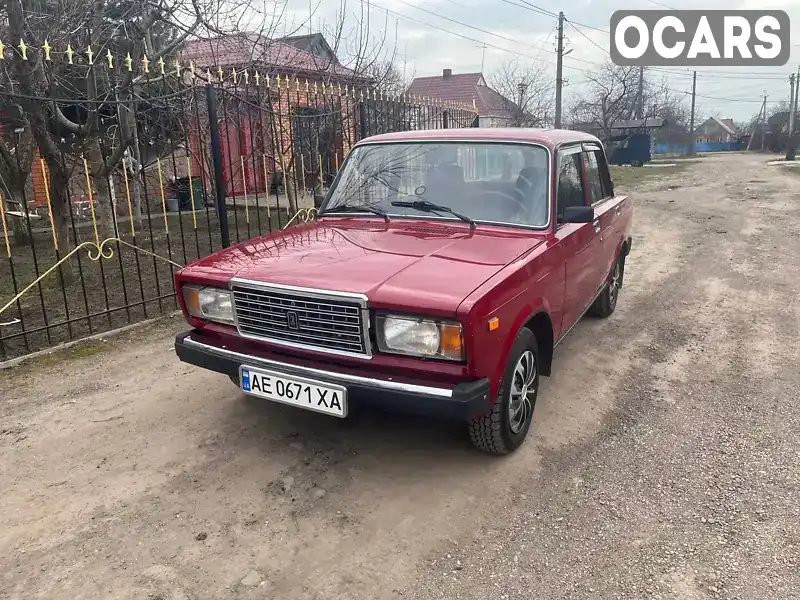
(244, 49)
(463, 87)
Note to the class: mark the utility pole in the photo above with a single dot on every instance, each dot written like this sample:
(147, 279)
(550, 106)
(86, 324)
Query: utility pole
(792, 93)
(794, 106)
(763, 122)
(640, 98)
(559, 68)
(792, 149)
(691, 118)
(522, 87)
(753, 133)
(793, 84)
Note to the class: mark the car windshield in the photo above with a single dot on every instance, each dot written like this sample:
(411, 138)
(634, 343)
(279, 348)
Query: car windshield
(483, 181)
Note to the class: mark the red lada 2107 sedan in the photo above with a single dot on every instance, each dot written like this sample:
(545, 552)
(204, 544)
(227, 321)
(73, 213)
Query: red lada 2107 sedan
(441, 271)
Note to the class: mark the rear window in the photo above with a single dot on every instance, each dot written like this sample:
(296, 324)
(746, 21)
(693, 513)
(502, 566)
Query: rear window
(488, 182)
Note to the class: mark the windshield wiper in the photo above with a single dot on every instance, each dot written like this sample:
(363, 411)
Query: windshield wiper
(344, 208)
(426, 206)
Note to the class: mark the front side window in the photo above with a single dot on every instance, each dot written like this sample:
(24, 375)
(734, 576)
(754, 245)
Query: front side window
(487, 182)
(570, 182)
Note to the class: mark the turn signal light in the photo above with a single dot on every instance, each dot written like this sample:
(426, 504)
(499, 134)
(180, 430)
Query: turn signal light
(451, 340)
(494, 323)
(191, 295)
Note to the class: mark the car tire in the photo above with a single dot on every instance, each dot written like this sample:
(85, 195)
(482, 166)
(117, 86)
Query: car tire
(605, 304)
(505, 427)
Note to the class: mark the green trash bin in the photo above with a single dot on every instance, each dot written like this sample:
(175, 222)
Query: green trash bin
(185, 196)
(199, 193)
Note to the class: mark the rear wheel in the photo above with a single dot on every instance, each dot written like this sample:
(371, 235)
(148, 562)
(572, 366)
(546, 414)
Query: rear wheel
(606, 302)
(505, 427)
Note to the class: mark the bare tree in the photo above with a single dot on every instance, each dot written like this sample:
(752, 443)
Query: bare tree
(610, 97)
(17, 150)
(388, 78)
(94, 34)
(527, 92)
(613, 95)
(101, 123)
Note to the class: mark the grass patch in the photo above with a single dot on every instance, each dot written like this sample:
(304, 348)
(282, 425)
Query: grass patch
(156, 328)
(626, 178)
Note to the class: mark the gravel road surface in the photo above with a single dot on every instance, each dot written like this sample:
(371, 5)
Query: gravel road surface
(663, 462)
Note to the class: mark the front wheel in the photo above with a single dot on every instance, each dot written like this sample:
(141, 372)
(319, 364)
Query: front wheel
(505, 427)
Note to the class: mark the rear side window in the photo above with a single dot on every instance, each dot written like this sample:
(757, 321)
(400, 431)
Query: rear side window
(570, 182)
(599, 178)
(595, 185)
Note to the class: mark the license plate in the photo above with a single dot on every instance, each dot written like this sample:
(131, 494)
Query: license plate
(297, 391)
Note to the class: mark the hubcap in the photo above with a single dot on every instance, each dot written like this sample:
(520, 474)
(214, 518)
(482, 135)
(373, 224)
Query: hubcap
(613, 285)
(523, 392)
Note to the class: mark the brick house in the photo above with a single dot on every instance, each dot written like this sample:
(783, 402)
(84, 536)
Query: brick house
(494, 109)
(300, 70)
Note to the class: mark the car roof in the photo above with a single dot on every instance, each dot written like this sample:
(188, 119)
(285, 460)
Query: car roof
(551, 138)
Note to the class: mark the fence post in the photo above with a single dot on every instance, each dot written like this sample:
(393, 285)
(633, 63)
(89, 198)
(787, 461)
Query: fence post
(362, 120)
(216, 157)
(445, 119)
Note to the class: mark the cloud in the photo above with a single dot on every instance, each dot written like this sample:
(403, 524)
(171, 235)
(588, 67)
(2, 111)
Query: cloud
(426, 44)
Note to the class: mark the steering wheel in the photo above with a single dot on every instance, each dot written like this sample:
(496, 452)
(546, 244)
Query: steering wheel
(525, 210)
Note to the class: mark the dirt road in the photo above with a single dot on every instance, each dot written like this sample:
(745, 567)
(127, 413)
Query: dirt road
(664, 459)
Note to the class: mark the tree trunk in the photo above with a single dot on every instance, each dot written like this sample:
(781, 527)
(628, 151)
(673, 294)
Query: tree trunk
(59, 199)
(135, 179)
(19, 225)
(100, 192)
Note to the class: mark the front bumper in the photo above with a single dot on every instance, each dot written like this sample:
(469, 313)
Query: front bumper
(463, 401)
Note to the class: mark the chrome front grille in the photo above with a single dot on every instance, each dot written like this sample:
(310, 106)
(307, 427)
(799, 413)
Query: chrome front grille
(301, 318)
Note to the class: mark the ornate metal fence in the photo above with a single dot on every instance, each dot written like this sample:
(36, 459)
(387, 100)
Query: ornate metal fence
(167, 164)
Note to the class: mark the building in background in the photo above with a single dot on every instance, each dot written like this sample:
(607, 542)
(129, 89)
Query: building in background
(305, 134)
(715, 132)
(494, 109)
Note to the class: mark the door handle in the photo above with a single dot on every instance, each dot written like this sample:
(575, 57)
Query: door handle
(597, 226)
(618, 210)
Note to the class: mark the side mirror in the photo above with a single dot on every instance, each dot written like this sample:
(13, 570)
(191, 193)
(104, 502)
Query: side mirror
(578, 214)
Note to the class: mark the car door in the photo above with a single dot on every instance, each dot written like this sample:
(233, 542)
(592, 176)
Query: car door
(606, 208)
(580, 241)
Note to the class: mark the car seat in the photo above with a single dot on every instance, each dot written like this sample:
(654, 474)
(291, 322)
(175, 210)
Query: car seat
(531, 191)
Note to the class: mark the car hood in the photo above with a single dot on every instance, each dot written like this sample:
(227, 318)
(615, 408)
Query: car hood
(429, 266)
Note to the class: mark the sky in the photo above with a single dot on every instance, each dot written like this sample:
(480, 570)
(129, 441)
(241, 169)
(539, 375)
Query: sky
(432, 35)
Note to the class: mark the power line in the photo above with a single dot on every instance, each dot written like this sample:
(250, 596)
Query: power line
(590, 40)
(547, 39)
(457, 22)
(750, 75)
(532, 7)
(575, 25)
(662, 4)
(472, 39)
